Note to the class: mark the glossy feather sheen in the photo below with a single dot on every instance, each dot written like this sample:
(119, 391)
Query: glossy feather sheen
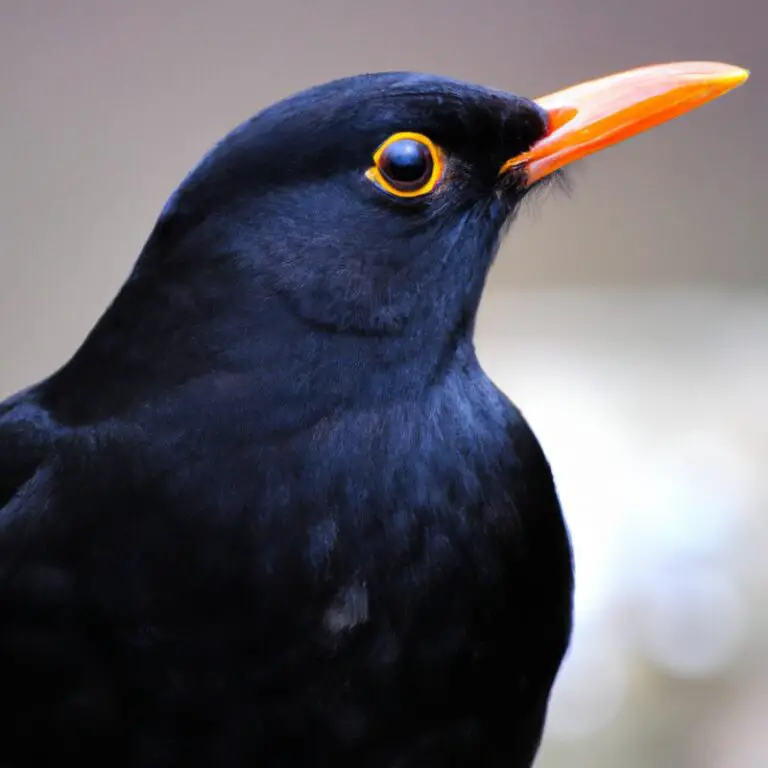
(272, 512)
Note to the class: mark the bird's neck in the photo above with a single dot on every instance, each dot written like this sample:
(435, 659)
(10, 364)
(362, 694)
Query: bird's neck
(210, 335)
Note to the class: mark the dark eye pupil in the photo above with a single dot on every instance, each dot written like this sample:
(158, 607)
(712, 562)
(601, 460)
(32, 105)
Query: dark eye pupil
(407, 164)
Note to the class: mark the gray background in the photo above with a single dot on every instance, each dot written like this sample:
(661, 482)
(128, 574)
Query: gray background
(629, 320)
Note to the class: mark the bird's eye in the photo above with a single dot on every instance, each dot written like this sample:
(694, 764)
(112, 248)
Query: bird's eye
(407, 165)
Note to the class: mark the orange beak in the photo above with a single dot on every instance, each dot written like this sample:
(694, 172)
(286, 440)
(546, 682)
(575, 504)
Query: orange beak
(597, 114)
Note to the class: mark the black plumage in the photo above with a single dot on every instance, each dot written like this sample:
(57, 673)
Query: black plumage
(273, 512)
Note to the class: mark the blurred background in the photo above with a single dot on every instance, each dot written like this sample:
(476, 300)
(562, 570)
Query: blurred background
(629, 320)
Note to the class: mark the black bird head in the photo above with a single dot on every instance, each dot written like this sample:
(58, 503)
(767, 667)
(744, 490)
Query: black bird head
(369, 205)
(367, 208)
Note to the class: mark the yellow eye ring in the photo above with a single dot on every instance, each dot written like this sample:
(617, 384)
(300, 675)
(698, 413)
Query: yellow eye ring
(407, 165)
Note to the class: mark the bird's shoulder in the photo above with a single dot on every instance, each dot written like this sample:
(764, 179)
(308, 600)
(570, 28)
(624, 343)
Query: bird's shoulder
(461, 457)
(26, 438)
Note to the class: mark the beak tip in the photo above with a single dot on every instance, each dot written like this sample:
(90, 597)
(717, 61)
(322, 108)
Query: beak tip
(734, 76)
(743, 75)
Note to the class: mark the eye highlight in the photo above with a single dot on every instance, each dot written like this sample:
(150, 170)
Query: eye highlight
(407, 165)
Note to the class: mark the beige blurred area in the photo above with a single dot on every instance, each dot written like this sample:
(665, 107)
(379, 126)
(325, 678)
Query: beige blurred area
(629, 320)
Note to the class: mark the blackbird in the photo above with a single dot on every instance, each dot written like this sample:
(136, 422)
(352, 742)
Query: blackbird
(272, 512)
